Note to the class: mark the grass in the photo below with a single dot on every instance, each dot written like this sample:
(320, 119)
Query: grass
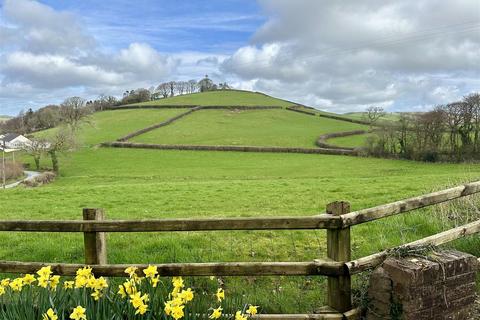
(110, 125)
(137, 184)
(220, 98)
(247, 127)
(349, 141)
(389, 116)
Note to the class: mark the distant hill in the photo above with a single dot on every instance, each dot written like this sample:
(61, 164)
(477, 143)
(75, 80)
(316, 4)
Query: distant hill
(4, 118)
(219, 98)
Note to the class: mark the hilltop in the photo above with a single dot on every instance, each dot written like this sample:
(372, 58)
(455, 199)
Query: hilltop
(219, 98)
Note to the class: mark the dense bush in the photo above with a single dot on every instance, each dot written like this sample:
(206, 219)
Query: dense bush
(13, 170)
(448, 133)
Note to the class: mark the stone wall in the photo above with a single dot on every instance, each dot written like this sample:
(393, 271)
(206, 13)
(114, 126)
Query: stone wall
(439, 287)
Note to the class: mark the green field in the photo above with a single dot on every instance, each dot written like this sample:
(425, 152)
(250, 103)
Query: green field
(350, 141)
(220, 98)
(389, 116)
(247, 127)
(136, 184)
(4, 118)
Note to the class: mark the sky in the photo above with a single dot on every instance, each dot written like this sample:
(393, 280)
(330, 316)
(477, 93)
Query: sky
(339, 56)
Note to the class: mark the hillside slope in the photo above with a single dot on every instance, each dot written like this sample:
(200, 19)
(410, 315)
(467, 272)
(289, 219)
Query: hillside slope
(279, 128)
(219, 98)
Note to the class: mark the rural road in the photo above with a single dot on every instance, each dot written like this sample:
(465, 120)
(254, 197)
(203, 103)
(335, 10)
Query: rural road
(30, 175)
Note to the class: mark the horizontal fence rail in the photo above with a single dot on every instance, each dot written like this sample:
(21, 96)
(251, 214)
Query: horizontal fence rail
(374, 260)
(316, 267)
(386, 210)
(322, 221)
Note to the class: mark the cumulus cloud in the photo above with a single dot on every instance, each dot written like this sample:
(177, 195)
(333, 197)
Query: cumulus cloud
(345, 55)
(47, 49)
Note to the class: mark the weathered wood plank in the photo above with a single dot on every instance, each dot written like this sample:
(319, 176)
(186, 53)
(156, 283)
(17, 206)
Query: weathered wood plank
(401, 206)
(374, 260)
(317, 267)
(339, 293)
(332, 316)
(95, 243)
(322, 221)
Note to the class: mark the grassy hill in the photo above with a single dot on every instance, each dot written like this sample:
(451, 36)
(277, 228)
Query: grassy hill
(4, 118)
(220, 98)
(247, 127)
(137, 184)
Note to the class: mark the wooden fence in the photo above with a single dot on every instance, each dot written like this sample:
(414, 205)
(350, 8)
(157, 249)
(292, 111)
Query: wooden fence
(338, 266)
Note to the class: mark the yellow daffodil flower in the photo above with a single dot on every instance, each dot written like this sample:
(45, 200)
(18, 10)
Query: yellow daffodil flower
(150, 272)
(177, 312)
(68, 284)
(16, 284)
(131, 271)
(28, 279)
(220, 294)
(240, 316)
(78, 313)
(49, 315)
(187, 295)
(252, 310)
(45, 272)
(216, 313)
(5, 282)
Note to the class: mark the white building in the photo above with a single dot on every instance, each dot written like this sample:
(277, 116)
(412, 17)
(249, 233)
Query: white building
(13, 141)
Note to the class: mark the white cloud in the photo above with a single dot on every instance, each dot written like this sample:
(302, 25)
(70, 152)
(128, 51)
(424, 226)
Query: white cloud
(345, 55)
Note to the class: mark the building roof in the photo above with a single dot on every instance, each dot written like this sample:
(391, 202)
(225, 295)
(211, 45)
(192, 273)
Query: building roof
(9, 137)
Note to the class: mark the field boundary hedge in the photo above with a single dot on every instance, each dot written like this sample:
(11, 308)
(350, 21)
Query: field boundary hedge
(158, 125)
(185, 106)
(121, 144)
(322, 140)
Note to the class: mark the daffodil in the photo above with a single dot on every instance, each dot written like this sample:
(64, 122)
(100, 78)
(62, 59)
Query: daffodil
(54, 281)
(5, 282)
(131, 271)
(240, 316)
(78, 313)
(252, 310)
(216, 313)
(187, 295)
(150, 271)
(168, 308)
(177, 312)
(68, 284)
(154, 281)
(45, 272)
(2, 290)
(220, 294)
(177, 282)
(49, 315)
(16, 284)
(28, 279)
(142, 309)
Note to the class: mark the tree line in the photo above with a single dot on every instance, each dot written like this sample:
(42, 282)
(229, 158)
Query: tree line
(52, 115)
(450, 132)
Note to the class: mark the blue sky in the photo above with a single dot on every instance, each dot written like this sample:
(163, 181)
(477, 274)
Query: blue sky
(338, 56)
(169, 26)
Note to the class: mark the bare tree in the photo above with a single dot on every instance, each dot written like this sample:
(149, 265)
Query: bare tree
(163, 89)
(192, 86)
(171, 86)
(373, 114)
(180, 87)
(61, 141)
(72, 111)
(36, 149)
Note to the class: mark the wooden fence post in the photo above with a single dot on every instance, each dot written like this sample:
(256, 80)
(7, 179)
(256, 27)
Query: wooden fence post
(339, 249)
(94, 242)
